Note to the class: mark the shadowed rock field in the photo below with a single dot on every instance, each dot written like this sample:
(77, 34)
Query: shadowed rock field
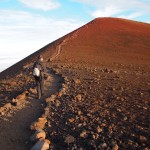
(105, 107)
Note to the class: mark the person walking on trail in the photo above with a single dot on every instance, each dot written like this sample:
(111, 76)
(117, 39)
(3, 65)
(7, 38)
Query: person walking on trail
(39, 73)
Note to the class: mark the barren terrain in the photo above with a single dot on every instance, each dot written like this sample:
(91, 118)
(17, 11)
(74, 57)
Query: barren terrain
(105, 96)
(103, 107)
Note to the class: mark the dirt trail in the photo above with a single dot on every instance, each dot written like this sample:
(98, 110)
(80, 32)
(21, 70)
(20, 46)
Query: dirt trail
(14, 130)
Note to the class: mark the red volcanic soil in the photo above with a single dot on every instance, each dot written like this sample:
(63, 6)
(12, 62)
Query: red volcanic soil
(109, 40)
(104, 100)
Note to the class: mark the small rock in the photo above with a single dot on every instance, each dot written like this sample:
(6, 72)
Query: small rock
(60, 94)
(95, 136)
(33, 91)
(99, 130)
(83, 134)
(22, 96)
(77, 81)
(89, 115)
(40, 124)
(118, 109)
(8, 106)
(145, 108)
(2, 113)
(79, 112)
(79, 97)
(69, 139)
(141, 94)
(80, 125)
(71, 120)
(2, 109)
(125, 118)
(104, 145)
(142, 138)
(115, 147)
(38, 134)
(57, 103)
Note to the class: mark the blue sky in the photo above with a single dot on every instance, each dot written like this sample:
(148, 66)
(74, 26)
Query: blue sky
(28, 25)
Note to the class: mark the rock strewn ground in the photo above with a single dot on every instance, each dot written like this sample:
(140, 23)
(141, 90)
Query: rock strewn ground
(103, 107)
(15, 123)
(13, 86)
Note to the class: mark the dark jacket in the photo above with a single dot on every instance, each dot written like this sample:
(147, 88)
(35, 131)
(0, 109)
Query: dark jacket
(41, 66)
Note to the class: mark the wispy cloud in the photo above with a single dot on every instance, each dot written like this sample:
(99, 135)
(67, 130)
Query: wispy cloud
(28, 23)
(131, 16)
(41, 4)
(107, 11)
(128, 9)
(23, 33)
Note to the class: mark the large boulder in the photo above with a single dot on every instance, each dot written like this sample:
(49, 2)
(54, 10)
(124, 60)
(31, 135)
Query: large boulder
(38, 135)
(40, 124)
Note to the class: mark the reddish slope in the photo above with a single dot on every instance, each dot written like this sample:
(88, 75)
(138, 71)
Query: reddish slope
(103, 40)
(110, 40)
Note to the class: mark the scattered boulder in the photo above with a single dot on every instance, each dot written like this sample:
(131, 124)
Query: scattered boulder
(79, 112)
(83, 134)
(32, 90)
(99, 130)
(77, 81)
(40, 124)
(59, 94)
(2, 110)
(50, 99)
(143, 138)
(104, 145)
(79, 97)
(71, 120)
(38, 134)
(57, 103)
(22, 96)
(69, 139)
(7, 106)
(115, 147)
(16, 102)
(20, 99)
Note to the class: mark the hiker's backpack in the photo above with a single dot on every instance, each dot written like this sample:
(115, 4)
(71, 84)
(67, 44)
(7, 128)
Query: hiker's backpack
(36, 70)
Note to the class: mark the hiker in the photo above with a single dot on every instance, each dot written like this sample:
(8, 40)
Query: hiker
(39, 73)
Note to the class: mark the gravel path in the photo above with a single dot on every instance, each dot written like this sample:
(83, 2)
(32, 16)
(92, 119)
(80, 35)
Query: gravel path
(14, 129)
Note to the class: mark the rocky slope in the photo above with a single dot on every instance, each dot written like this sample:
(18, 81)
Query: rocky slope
(104, 102)
(102, 107)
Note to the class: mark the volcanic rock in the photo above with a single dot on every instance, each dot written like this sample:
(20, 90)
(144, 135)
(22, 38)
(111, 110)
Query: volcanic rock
(40, 124)
(69, 139)
(37, 135)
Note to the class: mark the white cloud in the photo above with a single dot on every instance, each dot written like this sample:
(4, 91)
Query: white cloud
(124, 8)
(117, 3)
(41, 4)
(23, 33)
(131, 16)
(107, 11)
(23, 24)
